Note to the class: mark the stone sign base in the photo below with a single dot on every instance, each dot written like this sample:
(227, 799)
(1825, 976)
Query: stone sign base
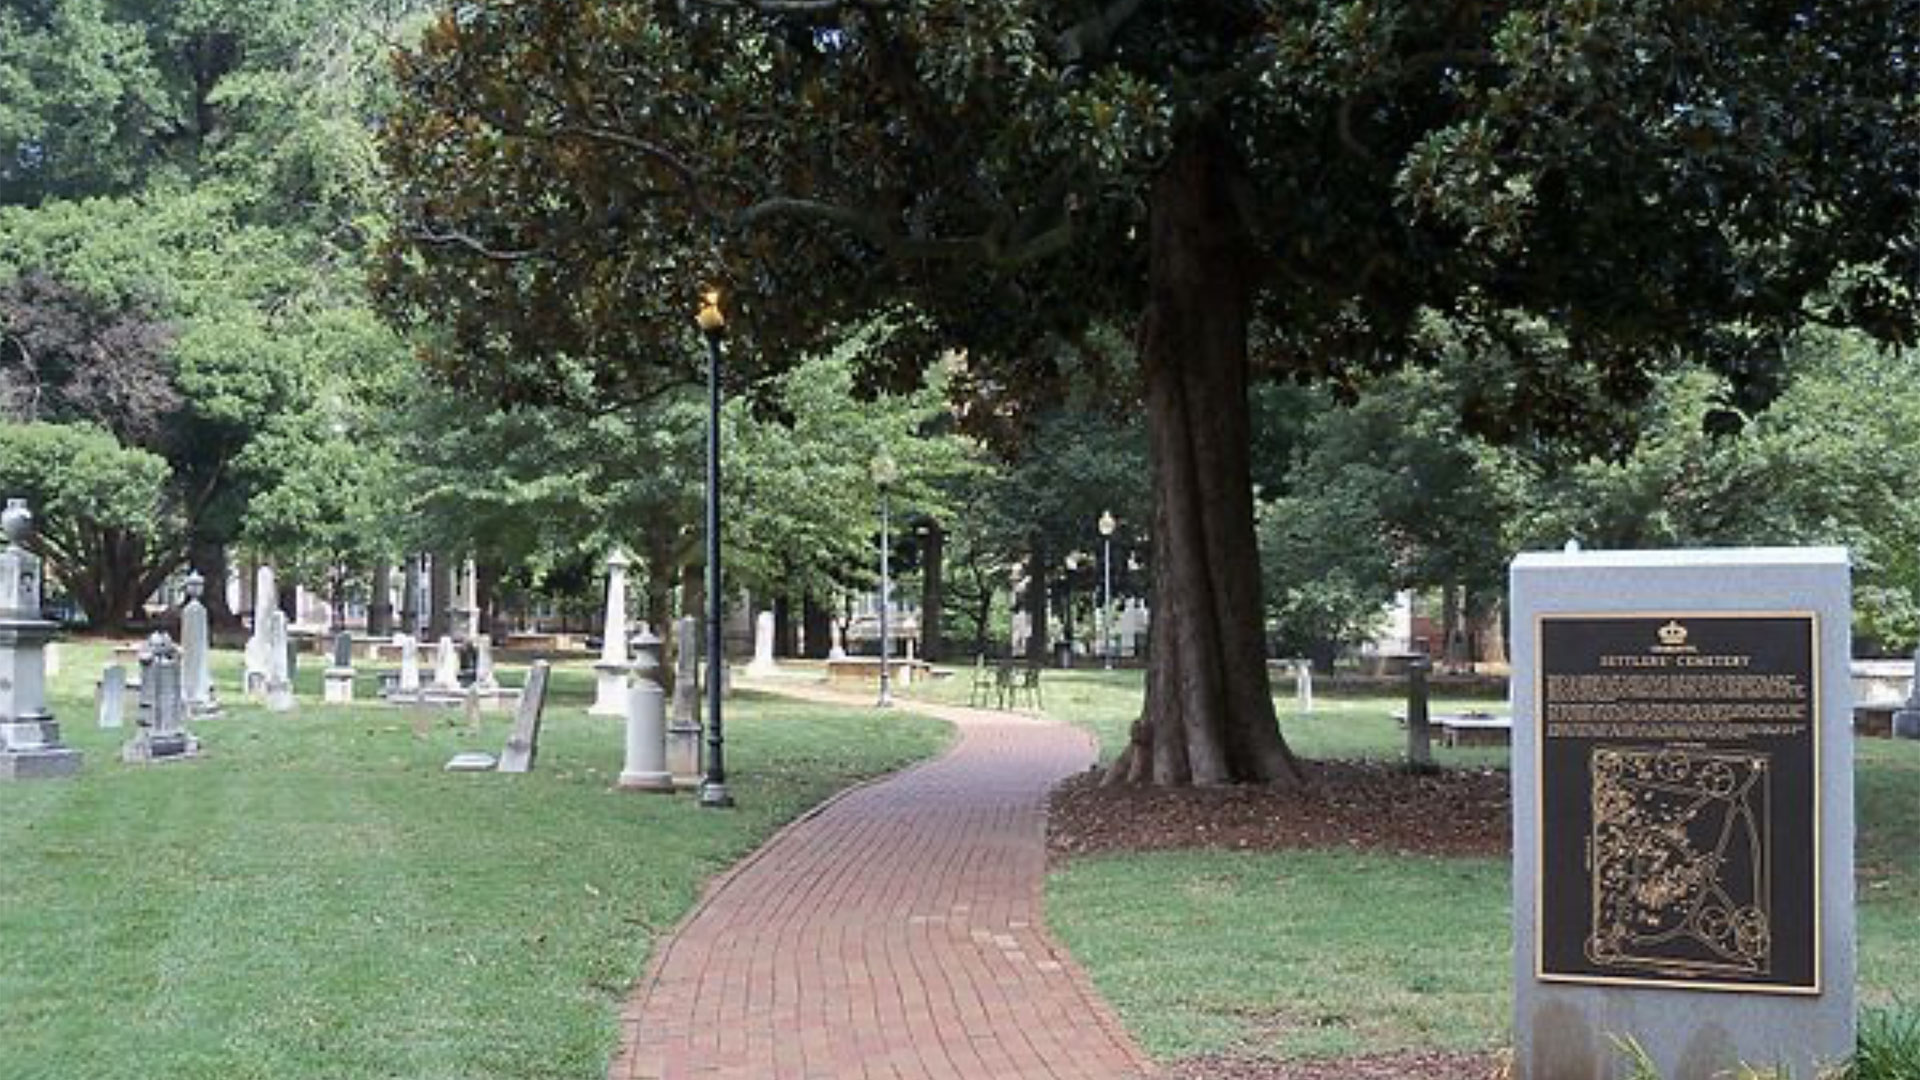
(147, 749)
(39, 764)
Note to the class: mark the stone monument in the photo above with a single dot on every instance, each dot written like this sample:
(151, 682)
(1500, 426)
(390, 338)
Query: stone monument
(1906, 719)
(446, 667)
(196, 658)
(683, 731)
(409, 664)
(646, 764)
(610, 692)
(762, 664)
(275, 648)
(110, 698)
(30, 746)
(523, 746)
(337, 681)
(162, 734)
(1683, 811)
(485, 680)
(266, 601)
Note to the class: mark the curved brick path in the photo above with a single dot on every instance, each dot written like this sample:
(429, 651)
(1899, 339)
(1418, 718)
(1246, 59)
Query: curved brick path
(893, 934)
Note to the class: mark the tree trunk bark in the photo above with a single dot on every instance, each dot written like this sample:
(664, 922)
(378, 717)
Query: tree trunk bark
(816, 626)
(380, 600)
(210, 559)
(1037, 643)
(1209, 716)
(486, 592)
(933, 593)
(440, 597)
(783, 627)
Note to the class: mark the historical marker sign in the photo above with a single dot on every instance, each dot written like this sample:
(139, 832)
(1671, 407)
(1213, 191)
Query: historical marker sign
(1679, 839)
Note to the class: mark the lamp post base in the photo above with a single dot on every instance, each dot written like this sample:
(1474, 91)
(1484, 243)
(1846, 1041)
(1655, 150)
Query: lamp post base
(714, 796)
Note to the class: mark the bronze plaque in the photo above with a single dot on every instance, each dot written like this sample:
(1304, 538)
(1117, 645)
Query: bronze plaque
(1679, 785)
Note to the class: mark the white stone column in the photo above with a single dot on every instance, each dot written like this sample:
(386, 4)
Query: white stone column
(196, 667)
(610, 695)
(30, 746)
(266, 601)
(762, 664)
(646, 764)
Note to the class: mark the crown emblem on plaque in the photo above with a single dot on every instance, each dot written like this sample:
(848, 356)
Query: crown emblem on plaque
(1672, 634)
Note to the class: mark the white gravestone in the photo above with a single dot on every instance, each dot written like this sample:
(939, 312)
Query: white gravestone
(266, 601)
(446, 666)
(30, 746)
(762, 664)
(485, 680)
(610, 688)
(111, 697)
(279, 680)
(1683, 811)
(683, 733)
(646, 757)
(337, 680)
(196, 658)
(409, 664)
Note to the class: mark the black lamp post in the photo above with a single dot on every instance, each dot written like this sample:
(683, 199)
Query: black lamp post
(713, 324)
(885, 472)
(1106, 606)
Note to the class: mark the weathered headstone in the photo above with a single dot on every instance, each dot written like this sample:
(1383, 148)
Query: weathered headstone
(337, 681)
(277, 650)
(610, 690)
(30, 746)
(646, 759)
(1906, 719)
(446, 666)
(762, 664)
(110, 697)
(162, 734)
(196, 658)
(409, 664)
(485, 679)
(1683, 811)
(523, 746)
(266, 601)
(1303, 685)
(683, 730)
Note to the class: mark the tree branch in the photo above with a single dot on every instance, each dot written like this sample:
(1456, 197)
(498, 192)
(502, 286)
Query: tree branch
(456, 238)
(1091, 36)
(989, 247)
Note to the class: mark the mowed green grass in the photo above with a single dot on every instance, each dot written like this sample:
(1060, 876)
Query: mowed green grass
(1320, 953)
(315, 897)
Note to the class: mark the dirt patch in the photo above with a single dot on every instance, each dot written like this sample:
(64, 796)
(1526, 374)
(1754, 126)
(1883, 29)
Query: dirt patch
(1343, 805)
(1424, 1065)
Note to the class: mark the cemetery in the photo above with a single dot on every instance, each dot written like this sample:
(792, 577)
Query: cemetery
(911, 540)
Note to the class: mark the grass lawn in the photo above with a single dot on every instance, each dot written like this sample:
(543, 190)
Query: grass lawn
(316, 898)
(1314, 953)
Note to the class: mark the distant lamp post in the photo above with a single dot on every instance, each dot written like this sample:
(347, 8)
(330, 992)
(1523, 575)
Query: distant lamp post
(1106, 605)
(713, 325)
(885, 472)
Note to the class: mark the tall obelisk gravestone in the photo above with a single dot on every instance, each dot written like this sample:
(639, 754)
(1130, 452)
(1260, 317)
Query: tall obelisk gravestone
(30, 745)
(196, 659)
(1683, 811)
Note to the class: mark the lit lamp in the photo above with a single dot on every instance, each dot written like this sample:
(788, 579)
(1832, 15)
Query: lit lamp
(1106, 608)
(885, 472)
(713, 325)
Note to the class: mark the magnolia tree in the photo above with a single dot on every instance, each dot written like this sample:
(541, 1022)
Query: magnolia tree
(1247, 189)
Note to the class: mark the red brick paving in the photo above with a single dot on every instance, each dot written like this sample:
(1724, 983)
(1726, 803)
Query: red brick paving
(894, 934)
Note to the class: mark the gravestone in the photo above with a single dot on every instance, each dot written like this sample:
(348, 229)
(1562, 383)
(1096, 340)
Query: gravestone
(446, 667)
(485, 680)
(110, 697)
(30, 746)
(1683, 811)
(683, 730)
(196, 657)
(409, 664)
(337, 681)
(1906, 719)
(646, 759)
(523, 746)
(162, 734)
(1303, 685)
(610, 689)
(762, 664)
(266, 601)
(277, 650)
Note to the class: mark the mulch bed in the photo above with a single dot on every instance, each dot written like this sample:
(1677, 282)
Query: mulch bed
(1407, 1066)
(1343, 805)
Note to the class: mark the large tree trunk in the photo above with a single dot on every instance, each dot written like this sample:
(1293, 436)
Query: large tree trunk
(816, 627)
(933, 593)
(1037, 644)
(1209, 715)
(210, 558)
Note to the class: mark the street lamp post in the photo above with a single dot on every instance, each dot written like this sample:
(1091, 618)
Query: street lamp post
(885, 472)
(713, 324)
(1106, 606)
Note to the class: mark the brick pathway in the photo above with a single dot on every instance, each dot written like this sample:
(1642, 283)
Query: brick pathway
(895, 933)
